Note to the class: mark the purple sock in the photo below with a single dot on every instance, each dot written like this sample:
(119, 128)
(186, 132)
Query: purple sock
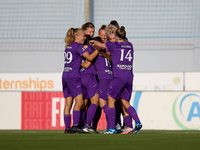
(105, 108)
(76, 117)
(128, 121)
(111, 117)
(67, 120)
(90, 114)
(96, 117)
(108, 125)
(118, 115)
(133, 113)
(82, 118)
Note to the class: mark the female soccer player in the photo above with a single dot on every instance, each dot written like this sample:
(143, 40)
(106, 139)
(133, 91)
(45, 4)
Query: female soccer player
(104, 71)
(110, 32)
(90, 87)
(121, 84)
(128, 127)
(71, 78)
(88, 28)
(115, 23)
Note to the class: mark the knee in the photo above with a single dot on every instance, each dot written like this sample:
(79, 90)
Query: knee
(125, 104)
(102, 103)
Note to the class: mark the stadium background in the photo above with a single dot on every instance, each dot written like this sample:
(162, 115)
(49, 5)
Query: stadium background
(166, 39)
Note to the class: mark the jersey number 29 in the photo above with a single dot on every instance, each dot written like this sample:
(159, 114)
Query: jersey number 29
(68, 57)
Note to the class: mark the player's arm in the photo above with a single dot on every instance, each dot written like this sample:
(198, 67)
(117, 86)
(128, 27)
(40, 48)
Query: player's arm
(106, 55)
(90, 57)
(86, 64)
(95, 43)
(108, 52)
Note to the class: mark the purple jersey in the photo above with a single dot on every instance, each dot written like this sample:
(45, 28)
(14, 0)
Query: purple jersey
(122, 58)
(72, 56)
(91, 69)
(103, 67)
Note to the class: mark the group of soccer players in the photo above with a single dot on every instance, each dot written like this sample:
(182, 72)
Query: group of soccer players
(98, 75)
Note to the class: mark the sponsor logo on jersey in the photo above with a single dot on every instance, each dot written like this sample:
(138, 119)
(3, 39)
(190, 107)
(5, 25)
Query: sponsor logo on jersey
(126, 46)
(126, 67)
(69, 47)
(67, 69)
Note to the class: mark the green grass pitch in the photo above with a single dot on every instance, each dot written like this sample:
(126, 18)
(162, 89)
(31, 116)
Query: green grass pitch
(57, 140)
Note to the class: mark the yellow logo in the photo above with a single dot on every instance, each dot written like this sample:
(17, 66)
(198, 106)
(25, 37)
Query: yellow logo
(176, 80)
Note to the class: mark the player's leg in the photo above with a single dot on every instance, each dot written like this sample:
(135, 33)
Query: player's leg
(132, 112)
(118, 118)
(86, 104)
(77, 108)
(111, 112)
(103, 98)
(111, 116)
(128, 126)
(103, 86)
(125, 98)
(104, 106)
(92, 92)
(67, 115)
(76, 91)
(68, 105)
(127, 120)
(90, 113)
(114, 91)
(76, 114)
(82, 113)
(96, 118)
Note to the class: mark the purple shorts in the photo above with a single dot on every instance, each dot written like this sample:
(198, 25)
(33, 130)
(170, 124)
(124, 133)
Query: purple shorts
(90, 85)
(121, 87)
(103, 88)
(71, 87)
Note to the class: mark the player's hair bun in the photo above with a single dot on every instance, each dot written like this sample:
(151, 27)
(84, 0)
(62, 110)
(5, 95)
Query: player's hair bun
(121, 33)
(122, 29)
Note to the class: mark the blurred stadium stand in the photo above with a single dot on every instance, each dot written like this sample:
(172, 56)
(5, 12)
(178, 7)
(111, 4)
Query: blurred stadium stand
(165, 34)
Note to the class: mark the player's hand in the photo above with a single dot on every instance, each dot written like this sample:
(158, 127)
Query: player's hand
(100, 53)
(91, 42)
(94, 42)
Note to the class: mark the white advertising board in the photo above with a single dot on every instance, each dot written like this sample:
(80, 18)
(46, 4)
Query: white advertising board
(158, 81)
(10, 110)
(30, 82)
(192, 81)
(156, 110)
(53, 81)
(168, 110)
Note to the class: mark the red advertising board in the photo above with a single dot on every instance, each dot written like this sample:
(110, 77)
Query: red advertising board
(44, 110)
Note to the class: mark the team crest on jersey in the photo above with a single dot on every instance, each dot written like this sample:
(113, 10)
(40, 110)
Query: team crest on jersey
(83, 49)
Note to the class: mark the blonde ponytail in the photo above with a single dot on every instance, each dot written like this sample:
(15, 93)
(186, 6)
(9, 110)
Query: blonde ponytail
(70, 36)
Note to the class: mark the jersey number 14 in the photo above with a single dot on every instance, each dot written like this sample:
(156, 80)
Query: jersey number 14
(127, 56)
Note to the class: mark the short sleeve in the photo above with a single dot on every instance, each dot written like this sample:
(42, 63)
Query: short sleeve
(81, 50)
(89, 48)
(109, 46)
